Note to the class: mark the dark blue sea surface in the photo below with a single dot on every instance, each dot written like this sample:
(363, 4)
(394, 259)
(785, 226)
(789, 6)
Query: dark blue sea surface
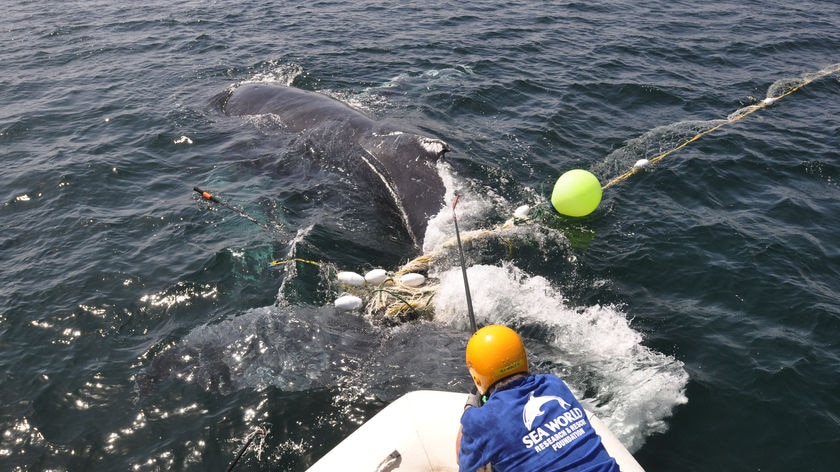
(696, 311)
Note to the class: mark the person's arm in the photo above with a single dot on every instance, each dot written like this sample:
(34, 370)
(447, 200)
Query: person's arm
(487, 467)
(473, 401)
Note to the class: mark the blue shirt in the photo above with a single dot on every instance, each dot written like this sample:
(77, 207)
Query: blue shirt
(534, 424)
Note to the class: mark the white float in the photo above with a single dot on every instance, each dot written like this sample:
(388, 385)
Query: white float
(413, 279)
(348, 302)
(376, 276)
(521, 212)
(351, 278)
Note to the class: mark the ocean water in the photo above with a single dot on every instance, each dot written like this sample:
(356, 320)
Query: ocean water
(696, 311)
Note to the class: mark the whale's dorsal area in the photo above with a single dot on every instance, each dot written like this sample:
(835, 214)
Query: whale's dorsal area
(404, 162)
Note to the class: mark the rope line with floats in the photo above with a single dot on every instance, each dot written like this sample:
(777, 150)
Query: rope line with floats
(738, 115)
(578, 192)
(402, 295)
(406, 294)
(399, 296)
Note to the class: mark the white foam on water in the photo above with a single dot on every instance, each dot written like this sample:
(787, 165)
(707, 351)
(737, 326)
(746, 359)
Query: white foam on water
(471, 205)
(276, 72)
(446, 77)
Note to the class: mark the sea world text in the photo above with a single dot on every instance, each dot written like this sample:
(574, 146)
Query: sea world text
(556, 433)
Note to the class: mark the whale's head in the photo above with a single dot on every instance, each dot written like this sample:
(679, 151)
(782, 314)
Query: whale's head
(409, 164)
(404, 161)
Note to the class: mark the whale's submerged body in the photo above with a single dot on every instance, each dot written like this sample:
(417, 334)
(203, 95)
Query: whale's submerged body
(404, 162)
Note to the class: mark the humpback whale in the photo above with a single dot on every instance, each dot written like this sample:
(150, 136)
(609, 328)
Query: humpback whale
(404, 162)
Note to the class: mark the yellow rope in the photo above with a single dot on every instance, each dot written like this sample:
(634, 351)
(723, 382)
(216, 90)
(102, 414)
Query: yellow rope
(296, 259)
(737, 116)
(395, 300)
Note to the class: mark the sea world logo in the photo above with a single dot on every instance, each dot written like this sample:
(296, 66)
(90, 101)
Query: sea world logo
(553, 434)
(533, 408)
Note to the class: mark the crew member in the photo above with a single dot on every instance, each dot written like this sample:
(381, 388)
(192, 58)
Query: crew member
(526, 422)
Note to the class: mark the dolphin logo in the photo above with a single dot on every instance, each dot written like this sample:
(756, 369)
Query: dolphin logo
(533, 408)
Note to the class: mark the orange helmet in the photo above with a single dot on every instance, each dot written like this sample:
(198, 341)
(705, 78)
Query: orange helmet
(493, 353)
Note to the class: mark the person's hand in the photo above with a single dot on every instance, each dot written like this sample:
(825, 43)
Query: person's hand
(473, 399)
